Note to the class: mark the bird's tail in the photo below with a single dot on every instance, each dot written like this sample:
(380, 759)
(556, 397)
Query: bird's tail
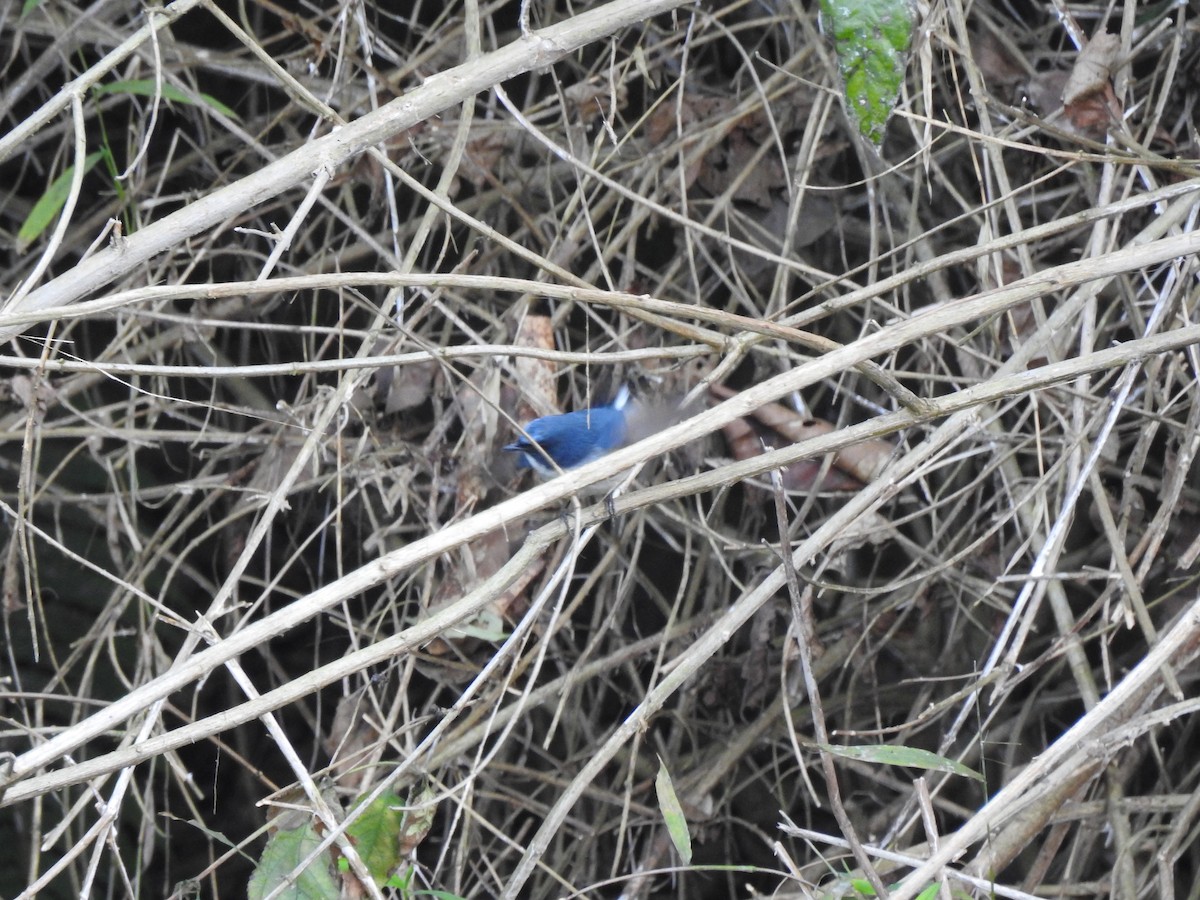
(622, 398)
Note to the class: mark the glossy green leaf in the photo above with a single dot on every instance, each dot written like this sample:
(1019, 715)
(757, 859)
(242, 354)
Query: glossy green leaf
(912, 757)
(672, 812)
(145, 87)
(50, 204)
(284, 851)
(871, 39)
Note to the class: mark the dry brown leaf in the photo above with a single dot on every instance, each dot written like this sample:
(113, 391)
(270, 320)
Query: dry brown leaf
(407, 386)
(996, 63)
(479, 411)
(535, 377)
(1089, 103)
(745, 442)
(482, 155)
(594, 98)
(350, 734)
(740, 165)
(854, 466)
(1093, 68)
(766, 228)
(1044, 91)
(481, 559)
(667, 121)
(1091, 114)
(733, 160)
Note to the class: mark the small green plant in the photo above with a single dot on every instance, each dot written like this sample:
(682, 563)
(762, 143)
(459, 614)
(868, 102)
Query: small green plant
(51, 203)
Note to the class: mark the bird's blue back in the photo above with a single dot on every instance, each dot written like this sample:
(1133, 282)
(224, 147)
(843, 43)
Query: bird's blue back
(571, 439)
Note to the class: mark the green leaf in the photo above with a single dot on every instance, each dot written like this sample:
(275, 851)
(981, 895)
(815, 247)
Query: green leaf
(145, 87)
(284, 851)
(486, 626)
(888, 755)
(374, 834)
(402, 882)
(389, 829)
(862, 886)
(673, 813)
(871, 39)
(50, 204)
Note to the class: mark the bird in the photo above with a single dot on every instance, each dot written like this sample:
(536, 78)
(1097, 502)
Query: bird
(552, 444)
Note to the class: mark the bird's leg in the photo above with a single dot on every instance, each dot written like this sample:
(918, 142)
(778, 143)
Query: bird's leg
(610, 500)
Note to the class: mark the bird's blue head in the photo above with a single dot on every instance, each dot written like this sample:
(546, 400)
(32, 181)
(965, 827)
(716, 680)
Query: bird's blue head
(572, 439)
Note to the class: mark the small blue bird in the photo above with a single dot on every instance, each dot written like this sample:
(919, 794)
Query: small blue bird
(555, 443)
